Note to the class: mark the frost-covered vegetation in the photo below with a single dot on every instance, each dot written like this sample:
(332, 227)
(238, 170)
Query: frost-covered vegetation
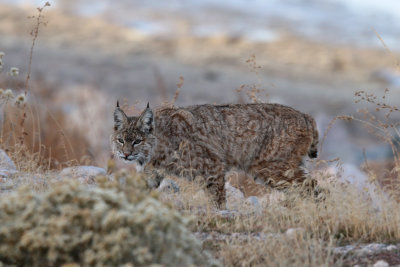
(107, 225)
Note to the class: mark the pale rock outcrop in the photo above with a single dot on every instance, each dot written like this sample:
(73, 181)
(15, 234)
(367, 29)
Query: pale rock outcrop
(84, 174)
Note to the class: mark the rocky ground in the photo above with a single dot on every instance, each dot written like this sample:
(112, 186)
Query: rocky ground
(370, 254)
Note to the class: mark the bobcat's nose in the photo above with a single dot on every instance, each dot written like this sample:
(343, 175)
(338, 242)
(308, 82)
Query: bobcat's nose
(127, 154)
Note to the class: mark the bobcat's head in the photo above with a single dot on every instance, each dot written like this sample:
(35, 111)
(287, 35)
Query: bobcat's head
(133, 139)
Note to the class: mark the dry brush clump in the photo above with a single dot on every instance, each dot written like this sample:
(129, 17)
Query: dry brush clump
(117, 223)
(380, 118)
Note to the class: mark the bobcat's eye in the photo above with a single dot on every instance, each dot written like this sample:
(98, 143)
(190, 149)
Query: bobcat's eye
(121, 140)
(137, 141)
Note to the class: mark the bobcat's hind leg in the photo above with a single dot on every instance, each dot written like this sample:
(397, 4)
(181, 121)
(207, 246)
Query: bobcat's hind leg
(288, 177)
(279, 174)
(246, 183)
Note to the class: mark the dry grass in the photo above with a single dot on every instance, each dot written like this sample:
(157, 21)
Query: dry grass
(255, 93)
(38, 134)
(380, 119)
(34, 131)
(279, 251)
(346, 216)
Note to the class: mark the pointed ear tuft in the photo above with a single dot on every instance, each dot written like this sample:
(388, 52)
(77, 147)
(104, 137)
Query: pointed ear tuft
(148, 105)
(120, 118)
(117, 104)
(146, 121)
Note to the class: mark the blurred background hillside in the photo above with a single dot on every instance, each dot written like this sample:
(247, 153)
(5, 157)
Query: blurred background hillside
(309, 54)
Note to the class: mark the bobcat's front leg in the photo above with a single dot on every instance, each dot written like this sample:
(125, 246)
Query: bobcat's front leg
(154, 177)
(216, 187)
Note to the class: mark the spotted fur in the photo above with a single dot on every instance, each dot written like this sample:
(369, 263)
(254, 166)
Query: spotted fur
(267, 141)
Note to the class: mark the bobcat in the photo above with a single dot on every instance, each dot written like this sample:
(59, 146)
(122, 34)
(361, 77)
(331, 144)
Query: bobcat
(267, 141)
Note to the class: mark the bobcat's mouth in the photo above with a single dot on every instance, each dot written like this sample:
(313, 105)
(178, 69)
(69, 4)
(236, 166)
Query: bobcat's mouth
(136, 157)
(127, 158)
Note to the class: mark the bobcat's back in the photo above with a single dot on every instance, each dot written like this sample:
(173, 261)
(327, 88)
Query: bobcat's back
(236, 134)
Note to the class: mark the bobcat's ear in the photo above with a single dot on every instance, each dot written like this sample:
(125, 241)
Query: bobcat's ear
(146, 121)
(120, 118)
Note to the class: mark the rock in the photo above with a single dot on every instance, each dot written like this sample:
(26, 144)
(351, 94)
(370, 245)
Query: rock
(362, 250)
(4, 173)
(343, 250)
(372, 248)
(294, 232)
(351, 174)
(235, 200)
(168, 186)
(381, 263)
(246, 183)
(227, 214)
(216, 236)
(253, 201)
(391, 247)
(6, 162)
(6, 185)
(84, 174)
(234, 197)
(7, 166)
(233, 192)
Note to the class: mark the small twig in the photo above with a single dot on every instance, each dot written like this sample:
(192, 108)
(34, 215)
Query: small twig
(396, 62)
(177, 92)
(34, 33)
(365, 160)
